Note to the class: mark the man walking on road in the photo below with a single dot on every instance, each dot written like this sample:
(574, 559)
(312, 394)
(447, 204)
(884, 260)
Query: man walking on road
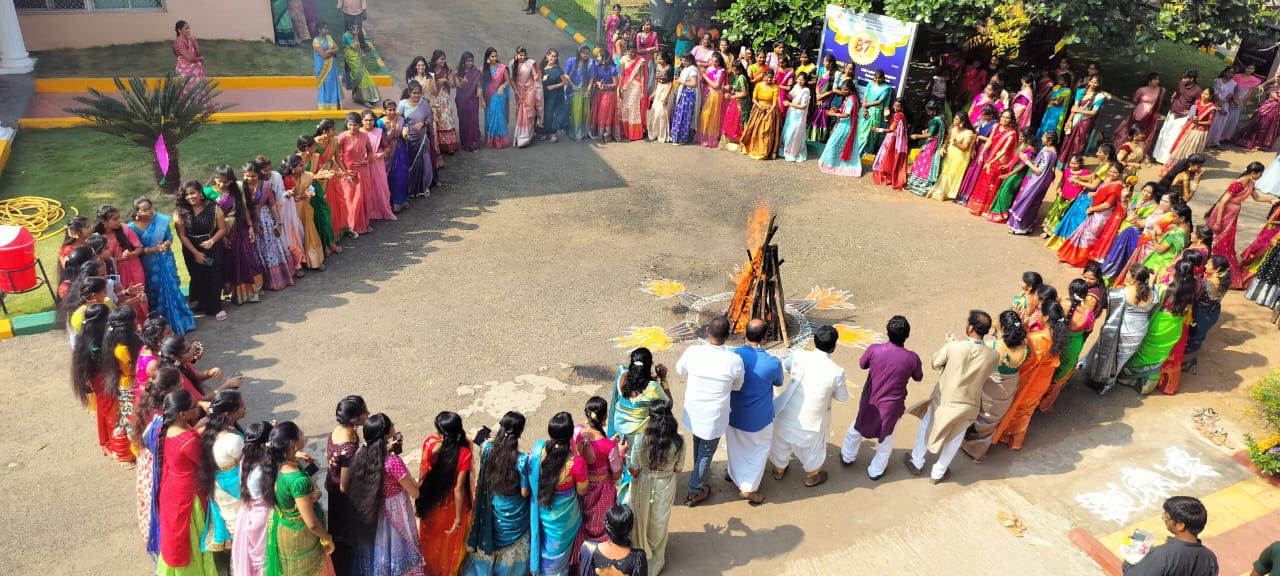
(889, 367)
(750, 430)
(804, 409)
(965, 366)
(712, 372)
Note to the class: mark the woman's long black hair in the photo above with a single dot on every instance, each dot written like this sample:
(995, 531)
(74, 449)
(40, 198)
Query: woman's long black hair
(255, 456)
(152, 333)
(171, 350)
(122, 330)
(105, 213)
(1182, 165)
(1077, 290)
(662, 437)
(368, 469)
(162, 382)
(1011, 329)
(225, 404)
(279, 451)
(559, 448)
(175, 403)
(501, 468)
(438, 482)
(485, 75)
(1182, 288)
(597, 413)
(639, 372)
(238, 193)
(1141, 275)
(86, 357)
(412, 70)
(1055, 319)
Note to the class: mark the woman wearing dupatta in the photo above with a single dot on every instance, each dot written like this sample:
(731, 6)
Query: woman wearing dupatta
(1224, 217)
(1129, 310)
(1026, 206)
(164, 288)
(445, 502)
(1054, 114)
(987, 97)
(555, 525)
(1145, 114)
(190, 62)
(329, 216)
(443, 104)
(683, 122)
(636, 387)
(526, 80)
(928, 165)
(653, 463)
(1261, 131)
(659, 119)
(837, 156)
(226, 450)
(713, 78)
(633, 95)
(990, 118)
(354, 75)
(377, 190)
(499, 541)
(956, 156)
(1022, 159)
(419, 122)
(760, 137)
(890, 166)
(794, 146)
(1001, 386)
(496, 87)
(1076, 249)
(875, 103)
(1165, 330)
(582, 78)
(1195, 133)
(277, 265)
(999, 156)
(1084, 114)
(325, 61)
(1224, 90)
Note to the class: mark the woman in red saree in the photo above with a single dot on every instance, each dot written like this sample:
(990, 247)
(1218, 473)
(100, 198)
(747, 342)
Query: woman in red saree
(527, 80)
(633, 95)
(444, 501)
(1145, 114)
(325, 159)
(1195, 134)
(1261, 131)
(187, 50)
(890, 167)
(353, 158)
(1000, 156)
(1224, 217)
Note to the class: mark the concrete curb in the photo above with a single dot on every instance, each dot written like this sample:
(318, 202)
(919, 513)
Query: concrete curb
(77, 85)
(561, 24)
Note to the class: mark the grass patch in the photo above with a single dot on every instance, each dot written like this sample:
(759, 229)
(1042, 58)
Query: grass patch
(581, 14)
(85, 169)
(1121, 76)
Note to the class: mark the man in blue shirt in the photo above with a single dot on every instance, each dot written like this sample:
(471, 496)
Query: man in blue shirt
(750, 430)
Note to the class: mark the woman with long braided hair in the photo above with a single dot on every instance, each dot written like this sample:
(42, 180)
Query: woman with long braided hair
(499, 540)
(382, 491)
(444, 496)
(604, 463)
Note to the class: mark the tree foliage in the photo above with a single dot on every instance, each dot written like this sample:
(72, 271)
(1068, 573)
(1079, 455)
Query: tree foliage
(174, 107)
(1132, 27)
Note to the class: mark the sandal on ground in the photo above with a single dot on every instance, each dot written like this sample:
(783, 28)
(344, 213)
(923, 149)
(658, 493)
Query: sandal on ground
(221, 315)
(299, 273)
(128, 465)
(695, 498)
(816, 479)
(779, 474)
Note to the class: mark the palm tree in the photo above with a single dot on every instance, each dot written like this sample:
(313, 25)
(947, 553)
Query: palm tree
(174, 107)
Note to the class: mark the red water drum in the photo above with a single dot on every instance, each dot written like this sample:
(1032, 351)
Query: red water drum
(17, 252)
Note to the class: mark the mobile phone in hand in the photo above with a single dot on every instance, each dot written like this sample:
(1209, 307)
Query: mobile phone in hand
(482, 435)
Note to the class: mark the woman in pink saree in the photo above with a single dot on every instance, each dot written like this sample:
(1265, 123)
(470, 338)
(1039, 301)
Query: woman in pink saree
(190, 62)
(527, 79)
(986, 96)
(377, 191)
(1023, 99)
(1224, 217)
(633, 95)
(1145, 115)
(1261, 131)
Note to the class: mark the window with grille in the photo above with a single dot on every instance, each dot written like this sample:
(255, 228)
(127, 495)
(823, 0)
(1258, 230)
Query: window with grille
(86, 5)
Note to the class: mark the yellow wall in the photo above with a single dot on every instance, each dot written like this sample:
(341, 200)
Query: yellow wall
(225, 19)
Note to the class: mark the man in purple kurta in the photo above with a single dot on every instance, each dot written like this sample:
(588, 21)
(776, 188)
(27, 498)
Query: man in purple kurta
(889, 366)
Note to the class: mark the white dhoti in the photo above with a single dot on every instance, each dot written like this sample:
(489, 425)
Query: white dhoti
(1168, 135)
(853, 441)
(748, 454)
(945, 456)
(810, 448)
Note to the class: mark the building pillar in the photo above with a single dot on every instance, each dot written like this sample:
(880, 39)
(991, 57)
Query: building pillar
(14, 58)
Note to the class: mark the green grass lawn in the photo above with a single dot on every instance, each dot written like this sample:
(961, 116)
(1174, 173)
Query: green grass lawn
(85, 169)
(581, 14)
(1121, 76)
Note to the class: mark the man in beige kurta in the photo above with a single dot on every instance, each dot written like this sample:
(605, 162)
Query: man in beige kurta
(965, 366)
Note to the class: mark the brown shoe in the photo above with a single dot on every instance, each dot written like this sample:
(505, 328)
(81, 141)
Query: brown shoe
(754, 498)
(911, 467)
(816, 479)
(697, 497)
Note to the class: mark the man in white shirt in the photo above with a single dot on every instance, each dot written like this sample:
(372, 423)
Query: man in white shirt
(804, 409)
(712, 372)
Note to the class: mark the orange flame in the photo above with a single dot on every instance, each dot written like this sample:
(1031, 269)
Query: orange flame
(758, 226)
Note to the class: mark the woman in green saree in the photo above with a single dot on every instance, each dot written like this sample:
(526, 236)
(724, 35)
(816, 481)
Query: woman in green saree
(354, 75)
(1143, 370)
(297, 542)
(1171, 244)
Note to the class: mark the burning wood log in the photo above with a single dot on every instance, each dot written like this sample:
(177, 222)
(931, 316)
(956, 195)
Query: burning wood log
(759, 291)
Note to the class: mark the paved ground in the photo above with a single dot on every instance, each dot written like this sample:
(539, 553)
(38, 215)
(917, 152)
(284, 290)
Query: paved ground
(504, 289)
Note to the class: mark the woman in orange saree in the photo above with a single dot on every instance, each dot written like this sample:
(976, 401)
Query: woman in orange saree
(1046, 336)
(444, 501)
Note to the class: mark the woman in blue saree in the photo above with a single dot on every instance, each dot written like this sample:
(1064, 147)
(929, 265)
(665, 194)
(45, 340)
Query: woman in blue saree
(1053, 115)
(497, 89)
(555, 529)
(582, 76)
(325, 60)
(499, 541)
(164, 289)
(635, 388)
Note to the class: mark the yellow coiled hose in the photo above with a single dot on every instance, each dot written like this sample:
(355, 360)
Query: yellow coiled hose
(43, 217)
